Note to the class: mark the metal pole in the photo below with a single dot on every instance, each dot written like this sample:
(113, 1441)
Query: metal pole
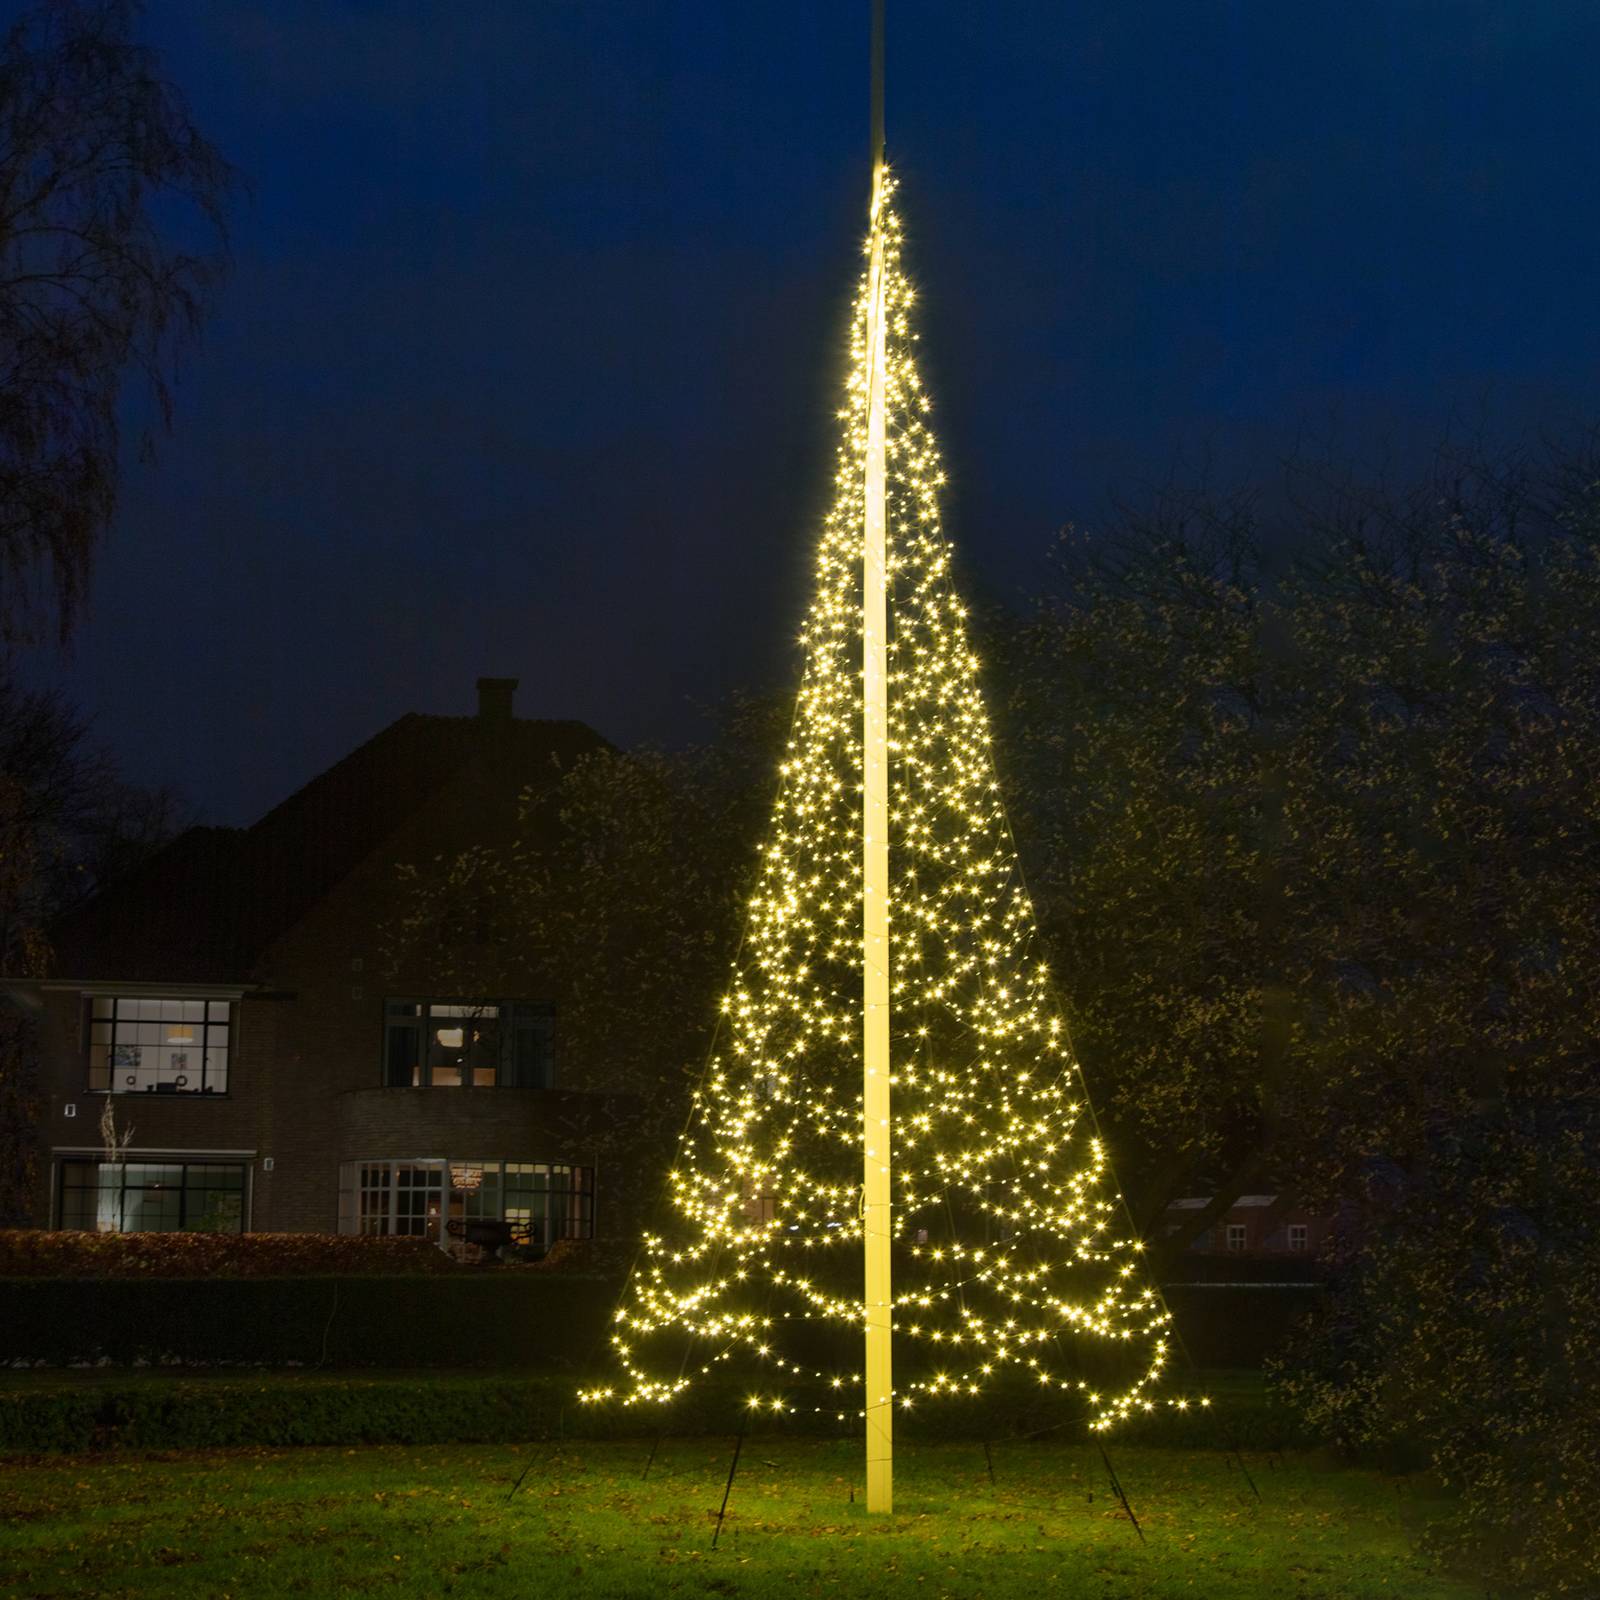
(877, 85)
(875, 863)
(727, 1488)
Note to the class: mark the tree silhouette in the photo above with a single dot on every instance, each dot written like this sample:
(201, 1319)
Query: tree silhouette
(95, 148)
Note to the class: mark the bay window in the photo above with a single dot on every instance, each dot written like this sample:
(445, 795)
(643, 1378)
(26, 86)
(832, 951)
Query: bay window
(542, 1201)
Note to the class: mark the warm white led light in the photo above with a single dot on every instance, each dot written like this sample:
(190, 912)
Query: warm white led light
(1008, 1257)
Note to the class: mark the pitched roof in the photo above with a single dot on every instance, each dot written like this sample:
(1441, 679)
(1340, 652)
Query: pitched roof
(206, 907)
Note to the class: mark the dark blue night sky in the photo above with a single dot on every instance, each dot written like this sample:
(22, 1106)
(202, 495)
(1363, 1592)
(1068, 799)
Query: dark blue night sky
(528, 361)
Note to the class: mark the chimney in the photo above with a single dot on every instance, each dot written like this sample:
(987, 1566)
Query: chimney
(494, 699)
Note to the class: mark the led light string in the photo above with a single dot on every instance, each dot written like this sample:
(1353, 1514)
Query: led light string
(1005, 1245)
(1071, 1050)
(664, 1192)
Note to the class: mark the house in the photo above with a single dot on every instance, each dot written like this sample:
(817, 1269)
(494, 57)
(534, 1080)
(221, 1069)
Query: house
(1256, 1226)
(226, 1043)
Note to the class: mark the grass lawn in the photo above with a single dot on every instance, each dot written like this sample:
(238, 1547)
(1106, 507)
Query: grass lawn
(436, 1520)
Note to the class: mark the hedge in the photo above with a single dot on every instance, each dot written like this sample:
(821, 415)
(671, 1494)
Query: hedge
(278, 1410)
(1239, 1324)
(178, 1414)
(74, 1253)
(507, 1319)
(510, 1320)
(274, 1409)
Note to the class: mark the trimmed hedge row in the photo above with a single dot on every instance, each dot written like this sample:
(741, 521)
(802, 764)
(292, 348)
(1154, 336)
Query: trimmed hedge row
(274, 1409)
(1239, 1325)
(512, 1321)
(76, 1253)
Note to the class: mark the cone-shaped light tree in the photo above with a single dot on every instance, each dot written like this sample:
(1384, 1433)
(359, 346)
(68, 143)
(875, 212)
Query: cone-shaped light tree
(1008, 1251)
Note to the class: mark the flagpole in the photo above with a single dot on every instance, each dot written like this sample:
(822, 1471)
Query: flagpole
(877, 1224)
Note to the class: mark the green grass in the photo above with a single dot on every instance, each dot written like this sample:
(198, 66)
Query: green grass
(436, 1520)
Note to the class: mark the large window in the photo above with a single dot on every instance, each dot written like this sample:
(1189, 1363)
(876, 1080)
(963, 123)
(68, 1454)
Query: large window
(454, 1044)
(543, 1201)
(401, 1197)
(152, 1196)
(144, 1045)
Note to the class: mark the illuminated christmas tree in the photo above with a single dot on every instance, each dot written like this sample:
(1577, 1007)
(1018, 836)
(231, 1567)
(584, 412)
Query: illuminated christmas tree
(1004, 1236)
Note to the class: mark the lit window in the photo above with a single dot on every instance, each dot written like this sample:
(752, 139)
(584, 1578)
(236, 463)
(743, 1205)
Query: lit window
(481, 1044)
(1299, 1236)
(1236, 1237)
(405, 1198)
(142, 1045)
(541, 1201)
(152, 1196)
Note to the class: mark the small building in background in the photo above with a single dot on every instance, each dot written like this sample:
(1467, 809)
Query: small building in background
(1238, 1290)
(1256, 1227)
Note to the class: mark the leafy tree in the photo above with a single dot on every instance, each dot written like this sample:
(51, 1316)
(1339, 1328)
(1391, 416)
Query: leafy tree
(25, 953)
(619, 898)
(100, 277)
(1318, 852)
(68, 825)
(1462, 1118)
(1129, 747)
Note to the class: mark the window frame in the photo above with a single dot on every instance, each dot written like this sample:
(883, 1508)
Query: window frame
(207, 1027)
(1297, 1238)
(568, 1211)
(438, 1187)
(1236, 1231)
(575, 1201)
(511, 1018)
(183, 1161)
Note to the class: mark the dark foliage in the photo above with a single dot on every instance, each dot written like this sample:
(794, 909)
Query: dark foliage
(1317, 851)
(111, 237)
(507, 1320)
(269, 1409)
(67, 1253)
(68, 826)
(1466, 1324)
(266, 1408)
(620, 900)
